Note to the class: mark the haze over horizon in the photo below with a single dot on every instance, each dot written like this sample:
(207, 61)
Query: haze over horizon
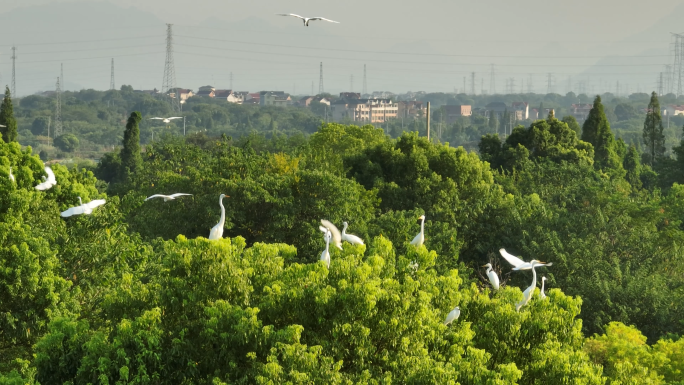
(582, 45)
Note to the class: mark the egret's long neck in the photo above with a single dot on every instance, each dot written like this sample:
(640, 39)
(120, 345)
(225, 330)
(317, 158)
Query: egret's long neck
(489, 269)
(327, 241)
(422, 226)
(223, 212)
(80, 201)
(534, 276)
(344, 229)
(543, 280)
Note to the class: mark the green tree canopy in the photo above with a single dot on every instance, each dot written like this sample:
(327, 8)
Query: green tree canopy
(654, 139)
(9, 132)
(596, 130)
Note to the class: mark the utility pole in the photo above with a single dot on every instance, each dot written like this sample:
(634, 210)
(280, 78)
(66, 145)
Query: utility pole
(320, 81)
(169, 82)
(365, 85)
(472, 83)
(428, 121)
(58, 110)
(112, 84)
(14, 72)
(492, 82)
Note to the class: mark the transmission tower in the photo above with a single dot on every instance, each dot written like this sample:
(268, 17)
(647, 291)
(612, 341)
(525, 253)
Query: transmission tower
(678, 69)
(169, 82)
(14, 73)
(365, 85)
(112, 85)
(320, 81)
(472, 83)
(492, 82)
(549, 83)
(529, 84)
(660, 85)
(58, 111)
(61, 75)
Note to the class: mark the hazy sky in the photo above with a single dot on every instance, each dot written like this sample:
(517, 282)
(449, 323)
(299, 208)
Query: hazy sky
(418, 45)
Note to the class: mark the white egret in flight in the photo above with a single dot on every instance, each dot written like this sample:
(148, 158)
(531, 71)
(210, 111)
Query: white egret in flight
(493, 278)
(166, 197)
(452, 316)
(353, 239)
(519, 264)
(306, 20)
(527, 294)
(10, 175)
(420, 238)
(49, 182)
(216, 232)
(334, 232)
(86, 208)
(325, 255)
(167, 120)
(542, 295)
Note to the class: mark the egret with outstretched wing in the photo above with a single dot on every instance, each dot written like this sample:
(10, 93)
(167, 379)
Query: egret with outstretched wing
(306, 20)
(334, 232)
(519, 264)
(83, 208)
(166, 197)
(167, 120)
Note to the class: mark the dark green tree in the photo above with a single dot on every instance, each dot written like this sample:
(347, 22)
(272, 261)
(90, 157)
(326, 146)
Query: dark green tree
(596, 130)
(625, 111)
(572, 123)
(653, 131)
(9, 132)
(493, 122)
(632, 165)
(67, 142)
(39, 126)
(131, 160)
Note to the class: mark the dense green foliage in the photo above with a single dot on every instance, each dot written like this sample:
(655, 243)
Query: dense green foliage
(654, 139)
(135, 293)
(9, 131)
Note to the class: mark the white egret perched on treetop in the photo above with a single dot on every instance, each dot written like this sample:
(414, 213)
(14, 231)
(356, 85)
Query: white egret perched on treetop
(306, 20)
(542, 295)
(493, 278)
(334, 232)
(166, 197)
(420, 238)
(216, 232)
(452, 316)
(527, 294)
(519, 264)
(353, 239)
(49, 182)
(86, 208)
(10, 175)
(325, 255)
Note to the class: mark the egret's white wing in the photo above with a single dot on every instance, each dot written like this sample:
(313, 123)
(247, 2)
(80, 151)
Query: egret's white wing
(2, 125)
(336, 236)
(452, 316)
(290, 14)
(78, 210)
(176, 195)
(174, 117)
(494, 280)
(353, 239)
(157, 118)
(51, 176)
(96, 203)
(323, 230)
(528, 266)
(155, 196)
(216, 232)
(512, 259)
(324, 19)
(418, 240)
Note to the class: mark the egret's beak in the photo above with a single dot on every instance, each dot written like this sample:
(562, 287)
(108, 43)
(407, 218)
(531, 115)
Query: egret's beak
(483, 266)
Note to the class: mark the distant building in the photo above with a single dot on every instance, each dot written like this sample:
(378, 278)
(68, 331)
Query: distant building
(307, 100)
(497, 108)
(580, 111)
(274, 98)
(364, 110)
(522, 110)
(410, 109)
(350, 95)
(454, 113)
(230, 96)
(184, 93)
(535, 115)
(673, 110)
(206, 91)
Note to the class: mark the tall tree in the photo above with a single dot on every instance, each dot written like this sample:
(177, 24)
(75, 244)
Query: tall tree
(632, 165)
(9, 132)
(131, 160)
(653, 131)
(596, 130)
(572, 123)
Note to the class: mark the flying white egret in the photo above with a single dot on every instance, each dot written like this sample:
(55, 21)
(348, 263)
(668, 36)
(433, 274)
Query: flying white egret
(306, 20)
(10, 175)
(527, 294)
(86, 208)
(519, 264)
(325, 255)
(166, 197)
(334, 232)
(167, 120)
(493, 278)
(216, 232)
(353, 239)
(542, 295)
(420, 238)
(49, 182)
(452, 316)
